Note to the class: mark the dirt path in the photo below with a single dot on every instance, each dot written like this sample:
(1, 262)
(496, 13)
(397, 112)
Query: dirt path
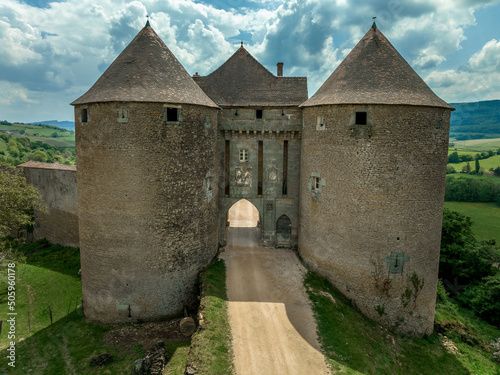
(271, 320)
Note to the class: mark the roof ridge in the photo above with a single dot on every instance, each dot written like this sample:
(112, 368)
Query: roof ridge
(374, 72)
(146, 71)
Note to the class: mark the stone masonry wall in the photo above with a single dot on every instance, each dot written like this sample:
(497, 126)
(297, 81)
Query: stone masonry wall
(243, 130)
(57, 186)
(147, 192)
(373, 224)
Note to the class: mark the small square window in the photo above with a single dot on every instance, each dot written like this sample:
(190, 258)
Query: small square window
(361, 118)
(243, 155)
(258, 113)
(172, 114)
(84, 114)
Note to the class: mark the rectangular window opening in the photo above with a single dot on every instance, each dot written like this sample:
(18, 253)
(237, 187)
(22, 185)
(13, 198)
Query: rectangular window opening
(315, 184)
(261, 162)
(226, 169)
(258, 113)
(361, 118)
(243, 155)
(285, 168)
(85, 115)
(209, 183)
(172, 114)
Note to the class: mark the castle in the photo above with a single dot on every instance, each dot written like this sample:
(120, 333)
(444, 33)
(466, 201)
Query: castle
(352, 176)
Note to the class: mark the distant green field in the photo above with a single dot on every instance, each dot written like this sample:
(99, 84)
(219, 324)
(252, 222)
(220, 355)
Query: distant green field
(485, 218)
(486, 164)
(477, 144)
(65, 137)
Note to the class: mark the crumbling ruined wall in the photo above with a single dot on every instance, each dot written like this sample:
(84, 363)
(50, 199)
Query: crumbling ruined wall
(57, 186)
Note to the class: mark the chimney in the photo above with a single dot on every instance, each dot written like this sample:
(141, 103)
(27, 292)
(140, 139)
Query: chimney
(280, 69)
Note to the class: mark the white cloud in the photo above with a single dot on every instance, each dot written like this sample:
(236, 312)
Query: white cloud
(488, 58)
(478, 80)
(58, 52)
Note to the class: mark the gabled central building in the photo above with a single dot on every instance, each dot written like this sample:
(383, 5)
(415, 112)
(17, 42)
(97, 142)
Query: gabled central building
(353, 176)
(259, 127)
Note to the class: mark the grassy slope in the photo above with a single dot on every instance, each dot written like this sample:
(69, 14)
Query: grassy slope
(477, 145)
(354, 344)
(485, 218)
(211, 346)
(65, 138)
(50, 277)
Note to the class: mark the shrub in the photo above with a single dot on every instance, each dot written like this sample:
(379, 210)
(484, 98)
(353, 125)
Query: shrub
(484, 298)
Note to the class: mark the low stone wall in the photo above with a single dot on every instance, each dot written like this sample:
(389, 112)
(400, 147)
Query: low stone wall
(57, 185)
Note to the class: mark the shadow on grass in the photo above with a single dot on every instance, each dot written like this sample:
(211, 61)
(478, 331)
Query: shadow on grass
(354, 344)
(41, 253)
(68, 345)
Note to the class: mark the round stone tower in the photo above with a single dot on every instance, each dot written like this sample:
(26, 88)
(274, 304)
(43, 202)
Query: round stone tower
(373, 163)
(146, 146)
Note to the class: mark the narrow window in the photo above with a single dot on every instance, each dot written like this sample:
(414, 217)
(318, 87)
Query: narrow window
(261, 157)
(315, 184)
(258, 113)
(320, 123)
(226, 169)
(361, 118)
(85, 115)
(209, 183)
(285, 168)
(243, 155)
(122, 114)
(172, 114)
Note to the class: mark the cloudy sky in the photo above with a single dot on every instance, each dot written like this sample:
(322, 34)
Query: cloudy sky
(51, 52)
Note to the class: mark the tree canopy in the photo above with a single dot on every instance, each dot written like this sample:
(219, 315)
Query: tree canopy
(18, 201)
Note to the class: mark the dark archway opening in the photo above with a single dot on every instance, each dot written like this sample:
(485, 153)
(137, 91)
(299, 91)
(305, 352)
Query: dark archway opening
(283, 231)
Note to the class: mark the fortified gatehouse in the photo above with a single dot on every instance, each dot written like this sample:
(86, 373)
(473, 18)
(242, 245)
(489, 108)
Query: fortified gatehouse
(353, 176)
(259, 131)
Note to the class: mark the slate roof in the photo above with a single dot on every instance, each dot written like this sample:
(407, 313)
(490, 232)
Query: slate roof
(243, 82)
(375, 73)
(146, 71)
(36, 164)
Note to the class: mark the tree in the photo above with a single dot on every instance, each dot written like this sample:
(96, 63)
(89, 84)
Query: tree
(478, 167)
(453, 157)
(18, 201)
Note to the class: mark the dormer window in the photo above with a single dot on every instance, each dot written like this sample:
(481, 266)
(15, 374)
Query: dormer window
(361, 118)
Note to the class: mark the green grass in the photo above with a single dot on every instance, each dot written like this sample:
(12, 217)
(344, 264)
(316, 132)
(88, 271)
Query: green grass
(485, 218)
(477, 145)
(486, 164)
(211, 346)
(354, 344)
(50, 278)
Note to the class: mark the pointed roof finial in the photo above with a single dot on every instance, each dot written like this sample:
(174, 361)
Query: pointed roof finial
(241, 44)
(374, 26)
(147, 23)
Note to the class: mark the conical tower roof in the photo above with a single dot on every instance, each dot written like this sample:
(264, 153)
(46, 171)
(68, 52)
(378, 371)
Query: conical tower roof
(146, 71)
(375, 73)
(243, 81)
